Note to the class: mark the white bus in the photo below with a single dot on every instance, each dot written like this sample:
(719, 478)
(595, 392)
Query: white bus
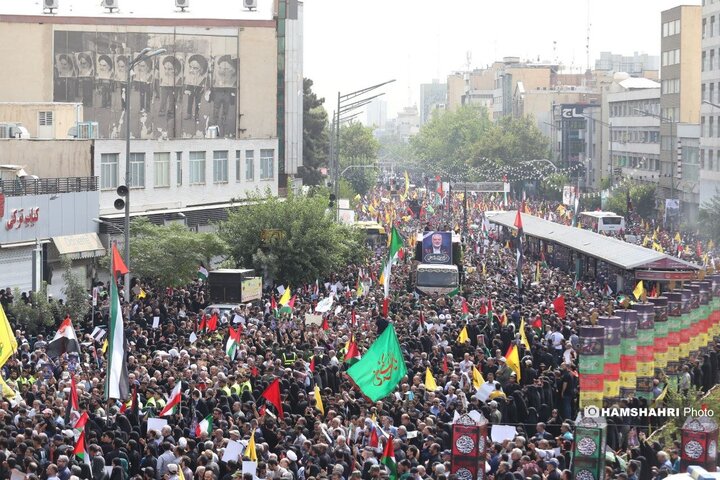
(603, 221)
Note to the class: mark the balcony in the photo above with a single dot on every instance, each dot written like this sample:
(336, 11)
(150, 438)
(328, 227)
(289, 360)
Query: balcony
(47, 186)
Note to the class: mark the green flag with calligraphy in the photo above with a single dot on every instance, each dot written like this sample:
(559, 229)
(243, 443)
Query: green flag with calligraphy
(381, 367)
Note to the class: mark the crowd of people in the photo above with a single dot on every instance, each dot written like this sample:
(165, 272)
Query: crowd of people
(343, 438)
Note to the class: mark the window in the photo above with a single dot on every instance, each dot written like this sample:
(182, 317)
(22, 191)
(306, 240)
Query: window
(137, 170)
(249, 165)
(267, 164)
(197, 168)
(703, 132)
(703, 61)
(238, 162)
(665, 28)
(109, 171)
(178, 168)
(712, 59)
(45, 119)
(703, 92)
(161, 162)
(702, 159)
(220, 166)
(712, 26)
(710, 159)
(711, 128)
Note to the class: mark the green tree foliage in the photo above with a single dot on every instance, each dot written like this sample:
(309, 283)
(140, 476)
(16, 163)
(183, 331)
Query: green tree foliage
(642, 197)
(315, 136)
(170, 254)
(358, 147)
(76, 295)
(510, 142)
(447, 144)
(709, 217)
(34, 317)
(311, 245)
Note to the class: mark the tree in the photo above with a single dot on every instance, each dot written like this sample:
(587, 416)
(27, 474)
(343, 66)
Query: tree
(34, 317)
(510, 142)
(308, 244)
(76, 296)
(395, 150)
(358, 147)
(446, 144)
(315, 136)
(642, 197)
(170, 254)
(709, 217)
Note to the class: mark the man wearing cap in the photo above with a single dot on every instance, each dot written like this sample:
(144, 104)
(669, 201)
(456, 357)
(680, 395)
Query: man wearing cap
(551, 467)
(172, 472)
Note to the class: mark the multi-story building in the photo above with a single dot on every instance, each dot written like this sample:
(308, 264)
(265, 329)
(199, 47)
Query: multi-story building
(637, 65)
(432, 96)
(633, 109)
(680, 106)
(377, 113)
(710, 107)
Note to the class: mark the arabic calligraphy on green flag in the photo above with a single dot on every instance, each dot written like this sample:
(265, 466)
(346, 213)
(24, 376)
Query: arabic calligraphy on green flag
(381, 367)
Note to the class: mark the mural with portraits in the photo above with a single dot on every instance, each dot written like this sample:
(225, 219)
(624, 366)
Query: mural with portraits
(178, 94)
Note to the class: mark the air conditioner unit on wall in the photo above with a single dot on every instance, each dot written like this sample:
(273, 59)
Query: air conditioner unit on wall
(251, 4)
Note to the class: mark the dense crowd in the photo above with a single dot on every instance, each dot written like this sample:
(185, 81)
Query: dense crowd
(346, 441)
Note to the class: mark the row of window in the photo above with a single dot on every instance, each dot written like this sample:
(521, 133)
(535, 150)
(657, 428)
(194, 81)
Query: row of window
(709, 127)
(707, 91)
(635, 108)
(670, 86)
(670, 113)
(671, 28)
(161, 164)
(635, 135)
(708, 27)
(710, 159)
(708, 61)
(643, 162)
(671, 57)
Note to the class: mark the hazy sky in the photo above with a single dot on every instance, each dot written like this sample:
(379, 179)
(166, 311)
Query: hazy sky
(352, 44)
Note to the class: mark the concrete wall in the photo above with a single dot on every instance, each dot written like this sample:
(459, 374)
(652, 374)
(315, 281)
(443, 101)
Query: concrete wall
(690, 58)
(180, 196)
(65, 115)
(258, 83)
(49, 158)
(26, 48)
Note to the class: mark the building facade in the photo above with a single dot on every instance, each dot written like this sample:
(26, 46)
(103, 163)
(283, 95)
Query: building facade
(432, 96)
(680, 106)
(636, 65)
(710, 106)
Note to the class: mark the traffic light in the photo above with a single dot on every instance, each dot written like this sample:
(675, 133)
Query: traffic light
(331, 203)
(122, 190)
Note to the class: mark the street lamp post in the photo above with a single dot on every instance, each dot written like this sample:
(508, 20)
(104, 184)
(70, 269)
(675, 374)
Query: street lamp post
(343, 107)
(144, 54)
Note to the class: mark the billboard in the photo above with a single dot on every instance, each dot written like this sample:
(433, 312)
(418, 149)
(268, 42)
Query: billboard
(251, 289)
(437, 247)
(178, 94)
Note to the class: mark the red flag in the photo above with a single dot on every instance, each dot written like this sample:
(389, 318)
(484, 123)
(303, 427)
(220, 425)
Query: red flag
(80, 424)
(445, 365)
(73, 394)
(273, 303)
(386, 307)
(291, 303)
(261, 412)
(353, 318)
(312, 364)
(201, 327)
(374, 440)
(254, 371)
(559, 304)
(272, 395)
(325, 325)
(465, 308)
(537, 323)
(212, 323)
(118, 264)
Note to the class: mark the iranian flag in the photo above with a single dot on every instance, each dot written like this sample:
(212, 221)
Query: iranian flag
(396, 243)
(353, 354)
(232, 343)
(80, 451)
(173, 401)
(205, 426)
(388, 458)
(65, 340)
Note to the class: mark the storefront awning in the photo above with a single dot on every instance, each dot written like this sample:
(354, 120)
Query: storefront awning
(84, 245)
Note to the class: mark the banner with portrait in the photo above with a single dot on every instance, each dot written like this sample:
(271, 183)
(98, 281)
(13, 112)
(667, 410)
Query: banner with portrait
(437, 247)
(178, 94)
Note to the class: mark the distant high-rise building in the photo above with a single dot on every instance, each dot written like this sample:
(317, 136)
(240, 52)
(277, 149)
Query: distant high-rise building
(710, 98)
(377, 113)
(432, 96)
(634, 65)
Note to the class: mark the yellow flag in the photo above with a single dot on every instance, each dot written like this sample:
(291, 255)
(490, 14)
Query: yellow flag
(7, 392)
(478, 379)
(181, 475)
(654, 237)
(318, 400)
(8, 342)
(430, 384)
(484, 270)
(645, 241)
(678, 238)
(463, 337)
(407, 183)
(285, 297)
(513, 360)
(142, 294)
(250, 451)
(660, 397)
(105, 346)
(523, 335)
(639, 289)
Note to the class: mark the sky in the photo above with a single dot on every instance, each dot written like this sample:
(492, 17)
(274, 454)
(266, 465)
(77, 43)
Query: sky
(353, 44)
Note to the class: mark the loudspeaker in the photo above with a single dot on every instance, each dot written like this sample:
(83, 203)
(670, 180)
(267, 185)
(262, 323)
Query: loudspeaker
(110, 4)
(119, 204)
(182, 3)
(51, 4)
(250, 4)
(122, 190)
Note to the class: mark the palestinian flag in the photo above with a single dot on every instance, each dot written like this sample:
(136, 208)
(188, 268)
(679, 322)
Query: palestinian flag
(353, 354)
(80, 451)
(65, 340)
(204, 426)
(117, 385)
(388, 458)
(232, 343)
(202, 272)
(289, 306)
(173, 400)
